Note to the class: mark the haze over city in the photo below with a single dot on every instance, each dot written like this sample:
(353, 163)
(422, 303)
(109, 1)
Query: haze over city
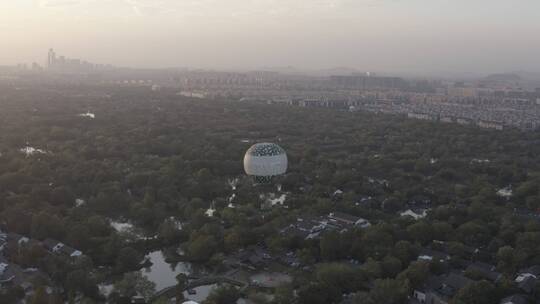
(439, 37)
(269, 152)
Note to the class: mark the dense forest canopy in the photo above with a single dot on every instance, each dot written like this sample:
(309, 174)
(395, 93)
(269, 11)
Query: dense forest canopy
(150, 157)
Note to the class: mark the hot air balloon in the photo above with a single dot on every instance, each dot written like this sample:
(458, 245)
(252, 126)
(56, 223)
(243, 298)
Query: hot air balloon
(265, 160)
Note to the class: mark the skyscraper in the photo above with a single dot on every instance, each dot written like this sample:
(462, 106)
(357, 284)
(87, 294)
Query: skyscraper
(51, 58)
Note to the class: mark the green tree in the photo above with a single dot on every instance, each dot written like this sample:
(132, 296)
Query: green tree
(417, 274)
(202, 247)
(283, 295)
(508, 259)
(169, 231)
(373, 268)
(391, 266)
(45, 225)
(330, 246)
(134, 283)
(340, 277)
(316, 293)
(128, 259)
(181, 285)
(40, 296)
(405, 252)
(420, 232)
(81, 281)
(481, 292)
(223, 295)
(386, 291)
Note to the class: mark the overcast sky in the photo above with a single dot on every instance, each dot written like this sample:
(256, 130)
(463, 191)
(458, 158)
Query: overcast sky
(417, 36)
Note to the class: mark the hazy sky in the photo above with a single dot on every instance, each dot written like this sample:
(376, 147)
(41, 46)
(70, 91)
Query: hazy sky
(417, 36)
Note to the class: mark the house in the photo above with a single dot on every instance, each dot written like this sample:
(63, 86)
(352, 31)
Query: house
(484, 271)
(293, 230)
(414, 213)
(526, 282)
(348, 220)
(452, 284)
(427, 254)
(421, 116)
(289, 259)
(338, 194)
(446, 119)
(534, 270)
(254, 260)
(348, 299)
(71, 252)
(490, 125)
(10, 274)
(3, 240)
(59, 248)
(238, 276)
(51, 245)
(527, 214)
(254, 257)
(12, 242)
(527, 279)
(309, 227)
(138, 300)
(14, 275)
(4, 275)
(367, 202)
(419, 201)
(469, 253)
(304, 228)
(17, 238)
(439, 290)
(515, 299)
(464, 121)
(343, 218)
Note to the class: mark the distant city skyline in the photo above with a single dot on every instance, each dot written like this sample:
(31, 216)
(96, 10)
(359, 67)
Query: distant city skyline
(436, 37)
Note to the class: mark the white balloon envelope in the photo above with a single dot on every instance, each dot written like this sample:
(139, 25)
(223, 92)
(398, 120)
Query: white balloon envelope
(265, 160)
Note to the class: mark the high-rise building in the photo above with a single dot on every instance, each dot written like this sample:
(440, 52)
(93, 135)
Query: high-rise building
(61, 64)
(51, 58)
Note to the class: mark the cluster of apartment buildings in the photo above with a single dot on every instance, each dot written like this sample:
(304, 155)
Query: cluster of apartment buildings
(495, 107)
(485, 112)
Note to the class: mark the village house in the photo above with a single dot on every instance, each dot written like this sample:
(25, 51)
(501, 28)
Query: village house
(309, 227)
(527, 279)
(414, 213)
(253, 257)
(348, 220)
(439, 289)
(367, 202)
(18, 239)
(59, 248)
(484, 271)
(427, 254)
(8, 272)
(515, 299)
(305, 228)
(468, 253)
(13, 275)
(3, 240)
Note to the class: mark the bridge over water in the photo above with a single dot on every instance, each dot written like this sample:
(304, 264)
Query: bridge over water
(170, 292)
